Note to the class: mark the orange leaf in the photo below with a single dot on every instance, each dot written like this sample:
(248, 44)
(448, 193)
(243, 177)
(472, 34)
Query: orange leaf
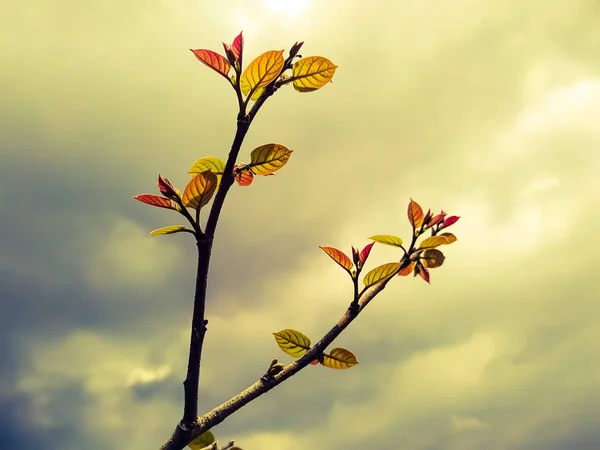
(216, 62)
(339, 257)
(244, 177)
(200, 190)
(415, 214)
(312, 73)
(407, 270)
(154, 200)
(262, 71)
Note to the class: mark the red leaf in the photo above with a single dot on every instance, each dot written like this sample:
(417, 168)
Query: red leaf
(238, 46)
(364, 254)
(437, 219)
(415, 214)
(216, 62)
(166, 188)
(154, 200)
(450, 221)
(422, 272)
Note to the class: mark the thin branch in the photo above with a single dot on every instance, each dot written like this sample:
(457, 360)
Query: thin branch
(181, 437)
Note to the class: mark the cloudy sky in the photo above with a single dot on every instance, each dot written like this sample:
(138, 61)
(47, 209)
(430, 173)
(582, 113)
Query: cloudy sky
(488, 110)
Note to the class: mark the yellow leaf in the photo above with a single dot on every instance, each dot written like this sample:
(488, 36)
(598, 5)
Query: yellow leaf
(262, 71)
(292, 342)
(269, 158)
(381, 273)
(339, 358)
(432, 258)
(387, 239)
(339, 257)
(451, 238)
(435, 241)
(169, 230)
(200, 189)
(202, 441)
(312, 73)
(212, 163)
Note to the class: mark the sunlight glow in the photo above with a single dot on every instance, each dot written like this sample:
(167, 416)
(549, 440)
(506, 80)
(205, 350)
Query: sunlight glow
(288, 8)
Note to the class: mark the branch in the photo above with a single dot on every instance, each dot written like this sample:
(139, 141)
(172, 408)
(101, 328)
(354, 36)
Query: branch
(204, 242)
(181, 437)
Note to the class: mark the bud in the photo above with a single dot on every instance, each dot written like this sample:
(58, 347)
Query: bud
(229, 54)
(295, 49)
(355, 256)
(427, 218)
(167, 189)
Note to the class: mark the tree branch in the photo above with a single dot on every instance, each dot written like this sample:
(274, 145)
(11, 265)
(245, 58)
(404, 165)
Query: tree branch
(182, 437)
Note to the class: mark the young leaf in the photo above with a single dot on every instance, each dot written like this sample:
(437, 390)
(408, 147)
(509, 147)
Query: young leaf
(364, 254)
(204, 440)
(381, 273)
(436, 241)
(432, 258)
(238, 46)
(269, 158)
(169, 230)
(154, 200)
(407, 270)
(450, 221)
(262, 71)
(339, 358)
(312, 73)
(212, 163)
(244, 177)
(387, 239)
(216, 62)
(415, 214)
(292, 342)
(339, 257)
(200, 190)
(422, 272)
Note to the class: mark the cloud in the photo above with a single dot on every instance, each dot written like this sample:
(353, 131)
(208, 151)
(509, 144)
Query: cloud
(485, 110)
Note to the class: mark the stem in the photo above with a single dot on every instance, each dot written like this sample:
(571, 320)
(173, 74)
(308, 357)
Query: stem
(182, 437)
(192, 380)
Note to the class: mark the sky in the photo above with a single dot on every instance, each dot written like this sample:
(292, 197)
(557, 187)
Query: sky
(488, 110)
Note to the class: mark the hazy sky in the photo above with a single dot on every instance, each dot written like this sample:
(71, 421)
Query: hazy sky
(488, 110)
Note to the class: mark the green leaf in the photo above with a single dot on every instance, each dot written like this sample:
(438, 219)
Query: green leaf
(381, 273)
(387, 239)
(339, 358)
(212, 163)
(269, 158)
(292, 342)
(170, 230)
(202, 441)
